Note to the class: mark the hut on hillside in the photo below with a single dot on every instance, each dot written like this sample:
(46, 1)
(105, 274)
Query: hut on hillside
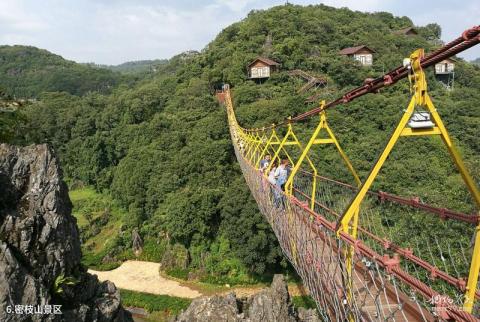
(262, 68)
(361, 53)
(408, 31)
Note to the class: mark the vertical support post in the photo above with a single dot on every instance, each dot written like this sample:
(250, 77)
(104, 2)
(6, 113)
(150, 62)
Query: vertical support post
(257, 140)
(354, 206)
(249, 139)
(314, 140)
(473, 274)
(280, 147)
(265, 148)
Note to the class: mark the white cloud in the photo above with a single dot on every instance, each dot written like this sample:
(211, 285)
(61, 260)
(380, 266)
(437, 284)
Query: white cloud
(15, 16)
(106, 31)
(139, 32)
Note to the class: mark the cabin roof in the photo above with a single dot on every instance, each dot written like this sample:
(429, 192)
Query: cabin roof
(353, 50)
(448, 60)
(405, 31)
(267, 61)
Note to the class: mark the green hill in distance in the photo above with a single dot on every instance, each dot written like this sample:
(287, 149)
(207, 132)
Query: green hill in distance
(26, 71)
(135, 67)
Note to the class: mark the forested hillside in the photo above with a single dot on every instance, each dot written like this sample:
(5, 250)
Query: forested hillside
(26, 71)
(162, 151)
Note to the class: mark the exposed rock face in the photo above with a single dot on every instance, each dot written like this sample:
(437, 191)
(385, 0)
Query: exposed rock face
(137, 242)
(271, 304)
(40, 245)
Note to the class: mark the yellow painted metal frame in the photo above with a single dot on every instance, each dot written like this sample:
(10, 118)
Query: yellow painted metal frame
(273, 135)
(256, 152)
(256, 140)
(281, 146)
(421, 98)
(314, 140)
(270, 145)
(291, 139)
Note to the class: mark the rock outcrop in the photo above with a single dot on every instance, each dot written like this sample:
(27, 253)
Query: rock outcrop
(137, 242)
(40, 246)
(271, 304)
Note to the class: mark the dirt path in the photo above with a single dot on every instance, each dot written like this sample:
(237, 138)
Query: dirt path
(144, 277)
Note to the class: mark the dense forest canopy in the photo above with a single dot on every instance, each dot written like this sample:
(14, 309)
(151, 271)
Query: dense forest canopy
(161, 147)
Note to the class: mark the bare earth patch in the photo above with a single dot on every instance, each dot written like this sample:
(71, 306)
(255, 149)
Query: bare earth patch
(144, 277)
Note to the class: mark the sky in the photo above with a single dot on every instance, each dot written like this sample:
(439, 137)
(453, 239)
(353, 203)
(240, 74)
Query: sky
(115, 31)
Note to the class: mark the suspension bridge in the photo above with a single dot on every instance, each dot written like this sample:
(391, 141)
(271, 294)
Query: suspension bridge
(356, 265)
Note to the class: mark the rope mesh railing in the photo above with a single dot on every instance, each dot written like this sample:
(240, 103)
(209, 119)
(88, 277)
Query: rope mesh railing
(436, 259)
(394, 277)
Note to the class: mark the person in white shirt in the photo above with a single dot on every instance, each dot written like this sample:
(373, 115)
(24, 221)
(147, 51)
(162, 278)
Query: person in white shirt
(271, 175)
(281, 174)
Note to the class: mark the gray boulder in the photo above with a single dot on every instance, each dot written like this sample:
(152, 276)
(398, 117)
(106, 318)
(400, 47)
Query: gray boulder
(270, 305)
(212, 309)
(40, 244)
(137, 242)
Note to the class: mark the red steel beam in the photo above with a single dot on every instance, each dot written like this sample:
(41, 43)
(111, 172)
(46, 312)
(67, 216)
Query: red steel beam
(443, 213)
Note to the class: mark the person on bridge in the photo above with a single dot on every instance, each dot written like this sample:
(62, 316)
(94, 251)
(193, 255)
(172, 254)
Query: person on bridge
(281, 174)
(274, 189)
(271, 175)
(264, 163)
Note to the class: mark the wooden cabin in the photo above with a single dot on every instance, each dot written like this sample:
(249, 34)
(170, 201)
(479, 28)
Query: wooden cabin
(445, 72)
(446, 66)
(262, 68)
(409, 31)
(361, 53)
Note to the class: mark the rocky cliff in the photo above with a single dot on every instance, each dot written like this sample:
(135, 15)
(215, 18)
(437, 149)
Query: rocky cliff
(40, 270)
(271, 304)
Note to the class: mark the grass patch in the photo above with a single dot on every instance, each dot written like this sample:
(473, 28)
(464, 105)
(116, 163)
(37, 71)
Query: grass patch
(304, 301)
(152, 250)
(160, 303)
(99, 218)
(94, 261)
(178, 273)
(82, 194)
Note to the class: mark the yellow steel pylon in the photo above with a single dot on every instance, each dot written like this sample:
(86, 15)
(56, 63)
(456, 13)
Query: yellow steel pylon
(421, 98)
